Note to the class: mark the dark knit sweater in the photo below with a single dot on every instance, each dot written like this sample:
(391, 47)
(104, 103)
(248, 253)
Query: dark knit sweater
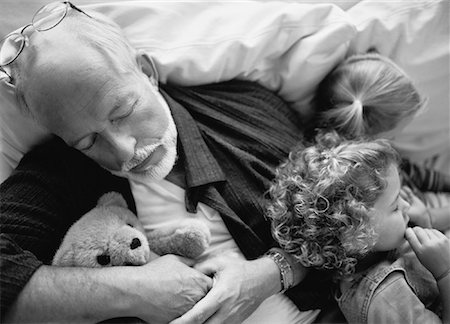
(231, 137)
(49, 190)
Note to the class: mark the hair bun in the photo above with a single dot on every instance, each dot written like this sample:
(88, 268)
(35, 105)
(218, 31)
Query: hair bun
(357, 104)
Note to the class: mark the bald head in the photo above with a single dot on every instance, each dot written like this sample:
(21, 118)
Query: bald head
(79, 50)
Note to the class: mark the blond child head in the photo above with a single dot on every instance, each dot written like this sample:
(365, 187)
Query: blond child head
(367, 95)
(321, 199)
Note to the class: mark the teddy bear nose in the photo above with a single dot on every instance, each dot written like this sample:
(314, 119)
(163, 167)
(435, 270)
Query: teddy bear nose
(135, 243)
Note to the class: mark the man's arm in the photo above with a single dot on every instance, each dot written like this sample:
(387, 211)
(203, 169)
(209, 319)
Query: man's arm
(49, 190)
(156, 292)
(67, 295)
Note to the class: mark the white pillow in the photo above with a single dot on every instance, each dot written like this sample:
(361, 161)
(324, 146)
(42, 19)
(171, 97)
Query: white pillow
(416, 35)
(288, 47)
(18, 133)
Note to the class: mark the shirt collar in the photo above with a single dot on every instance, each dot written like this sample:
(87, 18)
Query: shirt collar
(200, 166)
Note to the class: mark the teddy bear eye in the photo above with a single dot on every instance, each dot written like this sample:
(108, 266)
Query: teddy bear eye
(103, 259)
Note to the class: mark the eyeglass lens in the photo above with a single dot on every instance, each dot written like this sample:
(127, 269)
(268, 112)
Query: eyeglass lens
(11, 46)
(49, 16)
(45, 18)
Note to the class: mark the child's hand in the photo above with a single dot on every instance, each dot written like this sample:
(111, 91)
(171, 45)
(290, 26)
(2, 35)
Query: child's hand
(417, 212)
(431, 247)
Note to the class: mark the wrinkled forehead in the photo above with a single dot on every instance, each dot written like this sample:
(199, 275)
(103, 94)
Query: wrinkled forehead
(61, 69)
(74, 42)
(53, 67)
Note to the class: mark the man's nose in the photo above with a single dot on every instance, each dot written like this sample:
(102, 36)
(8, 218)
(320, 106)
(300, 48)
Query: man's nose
(122, 144)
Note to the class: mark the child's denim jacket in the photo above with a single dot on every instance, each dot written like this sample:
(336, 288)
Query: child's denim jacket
(396, 290)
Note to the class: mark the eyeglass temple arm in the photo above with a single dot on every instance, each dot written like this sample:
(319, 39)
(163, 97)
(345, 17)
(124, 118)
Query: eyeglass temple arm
(76, 8)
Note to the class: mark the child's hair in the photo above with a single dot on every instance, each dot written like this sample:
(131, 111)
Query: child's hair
(320, 198)
(366, 95)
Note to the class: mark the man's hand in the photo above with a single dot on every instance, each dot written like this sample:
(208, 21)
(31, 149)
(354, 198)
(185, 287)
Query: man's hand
(240, 286)
(417, 212)
(431, 247)
(175, 288)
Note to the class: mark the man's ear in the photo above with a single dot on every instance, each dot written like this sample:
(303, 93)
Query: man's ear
(148, 66)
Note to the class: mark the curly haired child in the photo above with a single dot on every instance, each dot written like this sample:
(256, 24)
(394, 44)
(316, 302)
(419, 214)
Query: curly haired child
(370, 96)
(336, 206)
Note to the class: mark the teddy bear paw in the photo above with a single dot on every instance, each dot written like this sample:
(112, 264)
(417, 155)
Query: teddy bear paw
(190, 239)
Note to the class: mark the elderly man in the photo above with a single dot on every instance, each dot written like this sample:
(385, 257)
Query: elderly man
(207, 152)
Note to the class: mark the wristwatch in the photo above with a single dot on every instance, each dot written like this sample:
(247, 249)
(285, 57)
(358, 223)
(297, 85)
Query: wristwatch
(286, 273)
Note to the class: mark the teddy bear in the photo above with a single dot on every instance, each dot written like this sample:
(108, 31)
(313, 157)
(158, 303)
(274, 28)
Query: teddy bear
(111, 235)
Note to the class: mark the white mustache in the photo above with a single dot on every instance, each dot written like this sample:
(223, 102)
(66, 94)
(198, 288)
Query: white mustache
(139, 156)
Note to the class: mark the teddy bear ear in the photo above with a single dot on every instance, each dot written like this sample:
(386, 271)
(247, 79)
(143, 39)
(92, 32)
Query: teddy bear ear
(64, 257)
(112, 199)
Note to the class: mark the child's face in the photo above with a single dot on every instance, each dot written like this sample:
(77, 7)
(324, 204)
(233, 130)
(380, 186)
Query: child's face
(389, 214)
